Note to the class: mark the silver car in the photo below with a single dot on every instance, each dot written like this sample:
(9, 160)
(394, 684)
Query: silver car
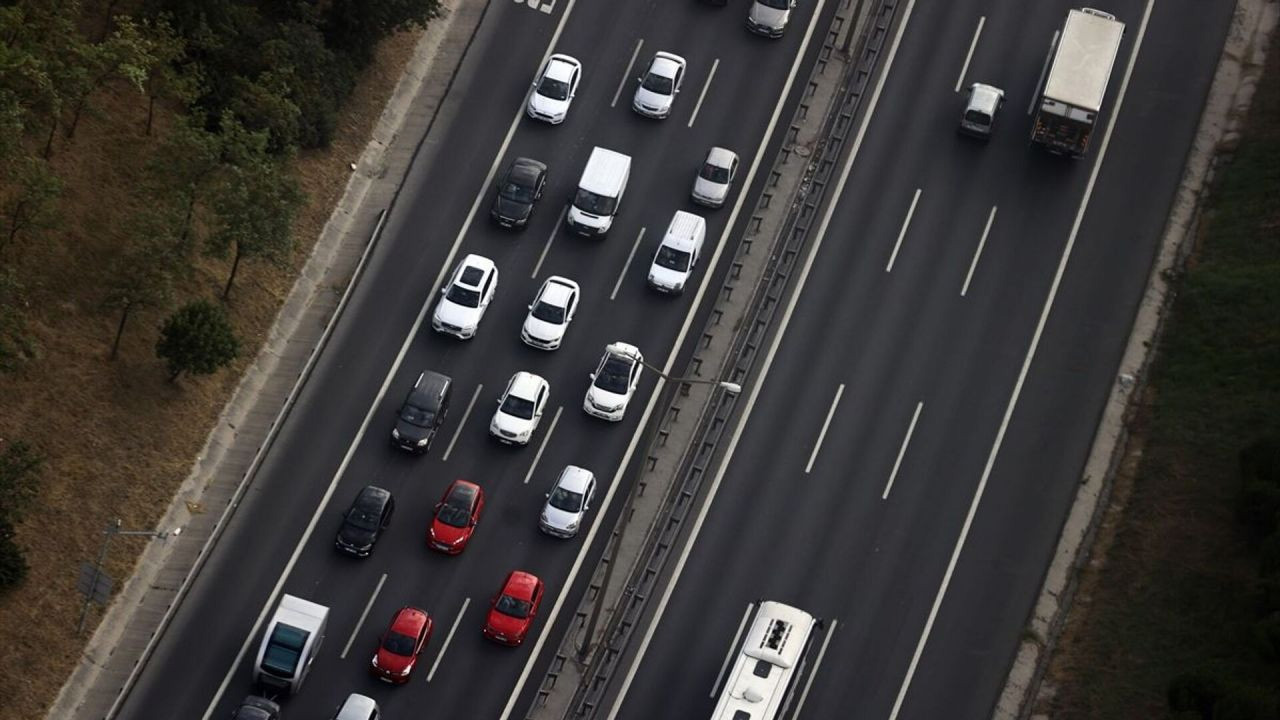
(715, 177)
(568, 502)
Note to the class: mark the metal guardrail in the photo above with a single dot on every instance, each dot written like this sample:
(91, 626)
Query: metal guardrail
(749, 338)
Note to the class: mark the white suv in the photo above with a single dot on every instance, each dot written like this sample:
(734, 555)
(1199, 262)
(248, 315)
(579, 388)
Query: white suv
(568, 502)
(465, 297)
(614, 382)
(550, 314)
(520, 408)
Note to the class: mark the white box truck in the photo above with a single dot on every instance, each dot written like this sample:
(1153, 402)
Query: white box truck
(1077, 82)
(290, 643)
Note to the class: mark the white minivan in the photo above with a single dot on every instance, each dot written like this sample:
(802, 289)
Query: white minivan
(678, 253)
(599, 194)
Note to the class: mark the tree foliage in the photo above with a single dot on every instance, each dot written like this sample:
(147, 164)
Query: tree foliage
(28, 201)
(197, 339)
(19, 484)
(142, 275)
(254, 204)
(16, 344)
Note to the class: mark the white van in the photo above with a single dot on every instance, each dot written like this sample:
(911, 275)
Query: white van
(289, 645)
(599, 192)
(678, 253)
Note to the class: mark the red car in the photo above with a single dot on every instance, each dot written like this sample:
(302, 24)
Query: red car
(455, 517)
(400, 645)
(512, 610)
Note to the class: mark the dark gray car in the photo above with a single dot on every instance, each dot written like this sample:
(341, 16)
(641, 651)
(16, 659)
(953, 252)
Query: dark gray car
(422, 412)
(518, 191)
(364, 521)
(256, 708)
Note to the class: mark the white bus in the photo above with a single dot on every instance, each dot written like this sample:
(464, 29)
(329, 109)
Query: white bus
(766, 665)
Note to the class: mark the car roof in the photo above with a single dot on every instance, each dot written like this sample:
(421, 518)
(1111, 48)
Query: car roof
(665, 63)
(557, 290)
(427, 389)
(526, 170)
(985, 98)
(682, 231)
(408, 620)
(574, 478)
(372, 496)
(561, 67)
(520, 585)
(357, 707)
(464, 489)
(624, 349)
(526, 384)
(720, 157)
(480, 262)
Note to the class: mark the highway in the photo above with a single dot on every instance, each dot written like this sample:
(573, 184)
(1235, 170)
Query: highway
(953, 343)
(336, 439)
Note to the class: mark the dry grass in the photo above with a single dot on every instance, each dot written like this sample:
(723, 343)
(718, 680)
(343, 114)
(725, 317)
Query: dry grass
(117, 437)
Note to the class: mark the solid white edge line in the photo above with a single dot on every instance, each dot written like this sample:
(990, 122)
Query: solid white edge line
(360, 623)
(703, 94)
(973, 264)
(543, 446)
(822, 434)
(448, 638)
(972, 44)
(903, 231)
(1035, 94)
(902, 450)
(465, 414)
(547, 248)
(822, 652)
(737, 636)
(671, 359)
(627, 73)
(382, 391)
(768, 361)
(627, 264)
(1022, 374)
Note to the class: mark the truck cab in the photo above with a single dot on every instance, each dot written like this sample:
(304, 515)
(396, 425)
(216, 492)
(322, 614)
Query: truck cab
(980, 111)
(290, 643)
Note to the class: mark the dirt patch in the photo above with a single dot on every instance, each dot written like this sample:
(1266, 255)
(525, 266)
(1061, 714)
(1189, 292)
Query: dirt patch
(117, 437)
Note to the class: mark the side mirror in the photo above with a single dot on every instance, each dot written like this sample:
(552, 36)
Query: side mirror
(444, 290)
(546, 495)
(592, 376)
(530, 307)
(438, 505)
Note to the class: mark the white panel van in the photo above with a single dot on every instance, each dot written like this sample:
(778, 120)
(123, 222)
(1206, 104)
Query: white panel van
(678, 253)
(599, 194)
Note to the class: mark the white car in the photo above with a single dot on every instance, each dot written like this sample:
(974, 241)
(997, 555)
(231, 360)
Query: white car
(554, 88)
(550, 314)
(520, 408)
(465, 297)
(715, 177)
(678, 253)
(614, 382)
(568, 502)
(659, 85)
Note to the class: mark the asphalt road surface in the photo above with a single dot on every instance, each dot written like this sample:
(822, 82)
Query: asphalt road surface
(921, 328)
(335, 442)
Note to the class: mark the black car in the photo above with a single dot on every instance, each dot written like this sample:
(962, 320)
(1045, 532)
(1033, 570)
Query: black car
(256, 708)
(422, 412)
(520, 187)
(367, 517)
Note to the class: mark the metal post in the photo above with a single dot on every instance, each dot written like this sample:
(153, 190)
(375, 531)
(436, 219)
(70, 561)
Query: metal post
(97, 570)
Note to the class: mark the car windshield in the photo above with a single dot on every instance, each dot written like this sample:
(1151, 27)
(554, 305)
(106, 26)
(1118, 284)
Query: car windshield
(398, 644)
(455, 513)
(613, 377)
(590, 202)
(464, 296)
(566, 500)
(514, 191)
(514, 607)
(517, 407)
(415, 415)
(547, 312)
(672, 259)
(776, 4)
(657, 83)
(554, 89)
(362, 519)
(715, 173)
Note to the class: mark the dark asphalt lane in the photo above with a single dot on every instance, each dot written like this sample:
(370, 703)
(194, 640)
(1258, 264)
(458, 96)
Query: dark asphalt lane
(475, 677)
(827, 541)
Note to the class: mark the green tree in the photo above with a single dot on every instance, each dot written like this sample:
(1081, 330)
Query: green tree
(355, 26)
(143, 274)
(197, 339)
(127, 54)
(254, 205)
(19, 484)
(16, 344)
(28, 204)
(183, 170)
(172, 77)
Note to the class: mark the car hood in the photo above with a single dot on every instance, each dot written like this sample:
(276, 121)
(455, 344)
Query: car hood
(558, 518)
(355, 537)
(451, 312)
(547, 106)
(767, 16)
(392, 662)
(652, 99)
(506, 624)
(412, 433)
(448, 534)
(705, 188)
(667, 276)
(516, 425)
(604, 397)
(542, 329)
(512, 209)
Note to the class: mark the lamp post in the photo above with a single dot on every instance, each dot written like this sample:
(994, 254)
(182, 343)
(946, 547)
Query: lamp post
(730, 387)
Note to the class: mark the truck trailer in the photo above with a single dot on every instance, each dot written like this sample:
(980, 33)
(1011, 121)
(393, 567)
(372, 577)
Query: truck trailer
(289, 645)
(1077, 82)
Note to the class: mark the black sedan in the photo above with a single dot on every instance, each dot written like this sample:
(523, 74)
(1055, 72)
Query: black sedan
(518, 190)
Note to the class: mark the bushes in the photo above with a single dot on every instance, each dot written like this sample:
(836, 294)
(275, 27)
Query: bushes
(19, 483)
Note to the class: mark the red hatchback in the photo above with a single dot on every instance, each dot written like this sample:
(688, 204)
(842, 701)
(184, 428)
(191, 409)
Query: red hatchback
(400, 645)
(455, 517)
(512, 610)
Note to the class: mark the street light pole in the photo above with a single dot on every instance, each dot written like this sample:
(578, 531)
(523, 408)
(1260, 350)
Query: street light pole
(729, 387)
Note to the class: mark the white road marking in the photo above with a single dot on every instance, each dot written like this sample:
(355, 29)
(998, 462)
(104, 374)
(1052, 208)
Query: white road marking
(703, 94)
(903, 232)
(543, 446)
(627, 74)
(546, 8)
(1035, 95)
(627, 264)
(382, 391)
(356, 630)
(972, 44)
(732, 648)
(768, 360)
(465, 414)
(546, 248)
(902, 450)
(1022, 374)
(671, 360)
(822, 651)
(823, 433)
(448, 638)
(973, 264)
